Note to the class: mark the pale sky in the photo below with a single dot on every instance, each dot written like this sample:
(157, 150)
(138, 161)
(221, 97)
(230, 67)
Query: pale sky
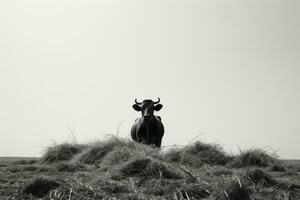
(227, 70)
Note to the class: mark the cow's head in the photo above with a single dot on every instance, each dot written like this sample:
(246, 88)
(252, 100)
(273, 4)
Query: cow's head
(147, 107)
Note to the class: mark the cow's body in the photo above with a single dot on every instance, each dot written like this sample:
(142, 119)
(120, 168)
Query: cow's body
(148, 129)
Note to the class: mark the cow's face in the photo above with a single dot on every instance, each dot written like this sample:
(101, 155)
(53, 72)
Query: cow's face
(147, 107)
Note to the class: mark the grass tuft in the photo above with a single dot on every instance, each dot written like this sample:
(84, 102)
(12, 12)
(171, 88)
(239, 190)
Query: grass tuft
(255, 157)
(278, 167)
(261, 177)
(198, 154)
(95, 152)
(62, 152)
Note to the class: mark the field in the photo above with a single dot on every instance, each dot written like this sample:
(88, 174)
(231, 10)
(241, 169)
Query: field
(119, 169)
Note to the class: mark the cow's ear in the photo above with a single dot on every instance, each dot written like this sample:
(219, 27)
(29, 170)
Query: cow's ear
(136, 107)
(158, 107)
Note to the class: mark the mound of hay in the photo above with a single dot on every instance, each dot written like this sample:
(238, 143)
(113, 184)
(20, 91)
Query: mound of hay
(278, 167)
(62, 152)
(149, 167)
(40, 187)
(95, 152)
(114, 151)
(198, 154)
(156, 168)
(256, 157)
(118, 155)
(260, 177)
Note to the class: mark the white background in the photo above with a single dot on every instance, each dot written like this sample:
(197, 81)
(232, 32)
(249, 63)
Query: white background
(226, 69)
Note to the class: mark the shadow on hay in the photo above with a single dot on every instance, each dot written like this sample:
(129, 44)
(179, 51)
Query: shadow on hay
(235, 190)
(40, 187)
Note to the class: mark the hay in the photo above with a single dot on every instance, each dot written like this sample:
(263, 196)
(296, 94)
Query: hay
(218, 171)
(278, 167)
(62, 152)
(120, 169)
(294, 167)
(118, 155)
(25, 162)
(40, 187)
(95, 152)
(148, 167)
(192, 191)
(255, 157)
(108, 185)
(157, 168)
(173, 155)
(30, 168)
(198, 154)
(73, 188)
(234, 190)
(69, 167)
(259, 176)
(175, 189)
(114, 151)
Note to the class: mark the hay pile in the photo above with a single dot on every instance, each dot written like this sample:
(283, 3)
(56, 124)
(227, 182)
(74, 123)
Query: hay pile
(114, 151)
(198, 154)
(120, 169)
(278, 167)
(62, 152)
(255, 157)
(149, 167)
(260, 177)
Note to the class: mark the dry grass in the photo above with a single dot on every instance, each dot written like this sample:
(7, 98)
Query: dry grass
(198, 154)
(113, 151)
(148, 167)
(278, 167)
(254, 157)
(120, 169)
(62, 152)
(261, 177)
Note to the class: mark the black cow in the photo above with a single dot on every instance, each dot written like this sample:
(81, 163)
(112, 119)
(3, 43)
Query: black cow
(148, 129)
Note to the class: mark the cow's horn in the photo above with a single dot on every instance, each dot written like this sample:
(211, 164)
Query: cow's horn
(137, 102)
(157, 101)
